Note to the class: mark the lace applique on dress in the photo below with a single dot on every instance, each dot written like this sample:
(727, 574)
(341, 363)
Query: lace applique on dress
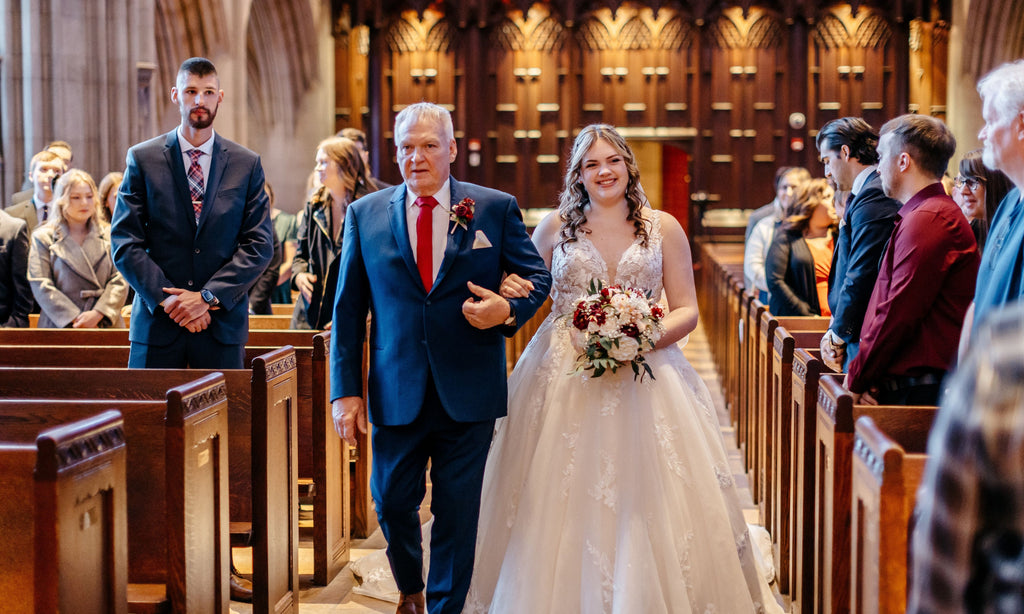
(574, 265)
(605, 491)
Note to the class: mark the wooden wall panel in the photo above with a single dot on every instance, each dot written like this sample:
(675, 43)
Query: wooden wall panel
(718, 84)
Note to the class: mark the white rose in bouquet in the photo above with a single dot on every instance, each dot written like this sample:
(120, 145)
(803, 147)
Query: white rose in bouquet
(626, 350)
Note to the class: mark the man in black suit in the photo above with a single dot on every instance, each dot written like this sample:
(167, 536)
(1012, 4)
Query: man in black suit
(15, 292)
(191, 233)
(847, 148)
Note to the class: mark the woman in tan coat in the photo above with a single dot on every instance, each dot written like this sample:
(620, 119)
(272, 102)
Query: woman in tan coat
(69, 265)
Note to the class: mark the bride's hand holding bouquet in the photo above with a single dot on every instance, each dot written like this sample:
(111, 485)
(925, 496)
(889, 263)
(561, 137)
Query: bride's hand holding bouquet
(613, 326)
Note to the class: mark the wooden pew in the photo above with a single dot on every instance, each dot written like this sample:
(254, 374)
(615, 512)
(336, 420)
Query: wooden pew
(761, 417)
(177, 485)
(730, 377)
(807, 369)
(282, 309)
(887, 470)
(63, 518)
(262, 439)
(256, 322)
(322, 455)
(836, 415)
(750, 385)
(779, 452)
(743, 364)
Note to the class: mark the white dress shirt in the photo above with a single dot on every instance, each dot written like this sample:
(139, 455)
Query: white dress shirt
(440, 222)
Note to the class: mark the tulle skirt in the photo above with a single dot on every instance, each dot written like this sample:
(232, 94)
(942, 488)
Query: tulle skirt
(611, 494)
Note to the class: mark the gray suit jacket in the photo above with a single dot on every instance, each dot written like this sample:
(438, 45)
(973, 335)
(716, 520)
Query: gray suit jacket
(68, 278)
(25, 210)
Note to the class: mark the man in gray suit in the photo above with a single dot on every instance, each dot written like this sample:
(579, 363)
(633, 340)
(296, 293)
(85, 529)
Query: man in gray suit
(15, 293)
(33, 206)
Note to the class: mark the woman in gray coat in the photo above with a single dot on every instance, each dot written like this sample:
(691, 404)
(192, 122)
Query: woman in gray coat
(69, 264)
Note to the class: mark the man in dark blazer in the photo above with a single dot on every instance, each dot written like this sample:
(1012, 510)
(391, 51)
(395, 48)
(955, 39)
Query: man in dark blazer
(847, 147)
(15, 292)
(426, 257)
(191, 237)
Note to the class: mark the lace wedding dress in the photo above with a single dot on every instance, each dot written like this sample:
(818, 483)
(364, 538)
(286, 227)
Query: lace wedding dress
(608, 494)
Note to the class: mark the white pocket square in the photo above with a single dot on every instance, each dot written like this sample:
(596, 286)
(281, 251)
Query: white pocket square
(480, 240)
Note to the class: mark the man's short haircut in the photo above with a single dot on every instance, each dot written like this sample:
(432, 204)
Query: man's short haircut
(1004, 86)
(427, 111)
(354, 134)
(853, 132)
(926, 139)
(44, 156)
(200, 67)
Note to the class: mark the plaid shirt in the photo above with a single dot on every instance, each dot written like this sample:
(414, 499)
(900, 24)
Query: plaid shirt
(968, 544)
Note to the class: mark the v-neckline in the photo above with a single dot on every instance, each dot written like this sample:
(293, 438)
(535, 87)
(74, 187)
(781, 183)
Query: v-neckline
(608, 273)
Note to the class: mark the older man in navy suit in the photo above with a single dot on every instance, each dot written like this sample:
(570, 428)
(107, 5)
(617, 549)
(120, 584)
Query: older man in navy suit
(426, 258)
(191, 233)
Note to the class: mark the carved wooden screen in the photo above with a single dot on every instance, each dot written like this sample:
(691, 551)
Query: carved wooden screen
(530, 135)
(852, 68)
(421, 66)
(748, 100)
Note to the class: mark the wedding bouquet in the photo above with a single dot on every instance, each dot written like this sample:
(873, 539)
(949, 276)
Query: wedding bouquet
(613, 326)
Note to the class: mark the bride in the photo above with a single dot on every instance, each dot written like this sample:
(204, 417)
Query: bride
(610, 493)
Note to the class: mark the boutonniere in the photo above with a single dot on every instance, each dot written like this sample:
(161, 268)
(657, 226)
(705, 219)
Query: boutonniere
(462, 213)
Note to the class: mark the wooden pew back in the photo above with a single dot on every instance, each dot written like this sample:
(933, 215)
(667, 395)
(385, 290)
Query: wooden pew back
(176, 474)
(807, 368)
(63, 531)
(887, 470)
(262, 438)
(836, 415)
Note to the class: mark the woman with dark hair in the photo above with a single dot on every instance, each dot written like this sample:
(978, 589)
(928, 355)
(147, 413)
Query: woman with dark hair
(344, 178)
(606, 489)
(978, 191)
(800, 257)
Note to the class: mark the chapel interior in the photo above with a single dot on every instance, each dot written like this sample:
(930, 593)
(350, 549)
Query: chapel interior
(712, 95)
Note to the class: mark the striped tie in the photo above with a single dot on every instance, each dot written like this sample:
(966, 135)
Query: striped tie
(195, 181)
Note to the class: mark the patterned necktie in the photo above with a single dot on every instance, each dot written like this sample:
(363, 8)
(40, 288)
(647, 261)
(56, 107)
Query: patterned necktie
(195, 181)
(425, 240)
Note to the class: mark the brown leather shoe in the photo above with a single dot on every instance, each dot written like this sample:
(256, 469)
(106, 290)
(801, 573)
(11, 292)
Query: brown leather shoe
(241, 589)
(412, 604)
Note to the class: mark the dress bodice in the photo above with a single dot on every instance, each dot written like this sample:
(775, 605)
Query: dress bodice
(575, 264)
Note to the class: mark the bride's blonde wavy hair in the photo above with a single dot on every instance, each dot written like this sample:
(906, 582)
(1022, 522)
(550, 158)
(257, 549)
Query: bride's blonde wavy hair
(573, 201)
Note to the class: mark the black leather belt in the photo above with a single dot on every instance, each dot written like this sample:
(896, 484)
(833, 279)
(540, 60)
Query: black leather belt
(895, 383)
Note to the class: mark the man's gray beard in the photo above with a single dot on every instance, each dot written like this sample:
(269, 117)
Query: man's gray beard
(988, 159)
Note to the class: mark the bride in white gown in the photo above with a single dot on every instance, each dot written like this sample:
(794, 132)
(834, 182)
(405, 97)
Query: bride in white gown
(611, 494)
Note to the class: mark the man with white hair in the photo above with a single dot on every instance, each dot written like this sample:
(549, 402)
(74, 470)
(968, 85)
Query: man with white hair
(1001, 276)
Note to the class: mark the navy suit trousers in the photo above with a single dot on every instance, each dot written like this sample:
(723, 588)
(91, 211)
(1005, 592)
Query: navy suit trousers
(457, 452)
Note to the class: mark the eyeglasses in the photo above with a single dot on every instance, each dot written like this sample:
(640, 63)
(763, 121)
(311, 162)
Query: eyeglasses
(972, 183)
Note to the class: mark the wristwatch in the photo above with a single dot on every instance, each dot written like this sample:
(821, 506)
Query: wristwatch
(209, 298)
(511, 319)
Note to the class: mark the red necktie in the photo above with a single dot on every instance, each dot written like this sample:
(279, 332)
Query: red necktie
(425, 240)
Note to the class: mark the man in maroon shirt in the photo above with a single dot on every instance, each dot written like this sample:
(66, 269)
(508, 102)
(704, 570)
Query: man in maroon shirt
(927, 275)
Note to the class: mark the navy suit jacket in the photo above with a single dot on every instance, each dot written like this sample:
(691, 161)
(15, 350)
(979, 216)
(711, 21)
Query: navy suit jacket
(869, 220)
(157, 242)
(413, 331)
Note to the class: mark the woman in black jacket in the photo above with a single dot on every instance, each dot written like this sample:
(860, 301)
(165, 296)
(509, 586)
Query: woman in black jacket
(344, 178)
(800, 256)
